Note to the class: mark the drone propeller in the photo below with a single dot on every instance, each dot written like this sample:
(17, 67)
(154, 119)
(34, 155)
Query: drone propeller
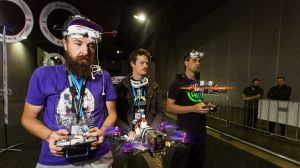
(132, 148)
(115, 131)
(204, 88)
(167, 125)
(180, 136)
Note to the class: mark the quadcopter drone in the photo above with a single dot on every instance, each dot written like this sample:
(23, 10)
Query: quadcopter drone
(196, 91)
(154, 141)
(208, 87)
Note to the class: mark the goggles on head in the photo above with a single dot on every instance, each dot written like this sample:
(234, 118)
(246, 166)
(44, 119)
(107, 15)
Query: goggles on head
(196, 54)
(78, 31)
(78, 27)
(140, 83)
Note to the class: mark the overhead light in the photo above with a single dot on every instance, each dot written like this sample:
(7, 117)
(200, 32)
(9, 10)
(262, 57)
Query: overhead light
(141, 17)
(24, 37)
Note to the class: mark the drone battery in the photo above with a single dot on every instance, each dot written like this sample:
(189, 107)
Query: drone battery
(156, 140)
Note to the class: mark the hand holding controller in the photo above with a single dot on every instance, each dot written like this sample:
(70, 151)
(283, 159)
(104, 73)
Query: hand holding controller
(211, 108)
(78, 143)
(53, 138)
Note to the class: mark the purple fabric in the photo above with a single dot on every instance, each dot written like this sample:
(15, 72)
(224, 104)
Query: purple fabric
(49, 88)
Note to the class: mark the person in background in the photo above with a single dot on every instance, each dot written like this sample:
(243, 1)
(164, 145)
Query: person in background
(251, 95)
(279, 92)
(139, 101)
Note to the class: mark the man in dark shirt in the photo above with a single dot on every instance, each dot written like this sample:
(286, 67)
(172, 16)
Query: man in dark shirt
(279, 92)
(188, 105)
(250, 95)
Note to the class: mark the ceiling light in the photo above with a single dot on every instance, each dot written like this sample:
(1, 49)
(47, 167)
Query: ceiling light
(141, 17)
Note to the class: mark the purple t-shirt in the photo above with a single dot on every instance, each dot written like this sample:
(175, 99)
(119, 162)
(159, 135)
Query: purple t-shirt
(49, 87)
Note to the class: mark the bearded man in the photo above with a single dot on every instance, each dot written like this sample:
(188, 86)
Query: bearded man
(72, 98)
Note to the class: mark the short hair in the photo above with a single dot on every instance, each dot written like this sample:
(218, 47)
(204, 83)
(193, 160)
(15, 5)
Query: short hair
(255, 79)
(281, 77)
(138, 52)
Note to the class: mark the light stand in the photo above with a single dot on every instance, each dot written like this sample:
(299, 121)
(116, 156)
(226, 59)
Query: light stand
(5, 98)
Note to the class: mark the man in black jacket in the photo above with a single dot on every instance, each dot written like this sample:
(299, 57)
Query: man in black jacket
(279, 92)
(138, 96)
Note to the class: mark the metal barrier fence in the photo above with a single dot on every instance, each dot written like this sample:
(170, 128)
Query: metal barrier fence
(267, 113)
(255, 126)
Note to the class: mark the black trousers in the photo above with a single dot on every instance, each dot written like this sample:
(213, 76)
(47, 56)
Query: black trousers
(250, 117)
(191, 156)
(272, 125)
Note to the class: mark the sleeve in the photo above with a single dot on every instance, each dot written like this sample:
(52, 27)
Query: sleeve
(270, 94)
(110, 94)
(121, 108)
(35, 94)
(174, 91)
(158, 118)
(261, 92)
(288, 93)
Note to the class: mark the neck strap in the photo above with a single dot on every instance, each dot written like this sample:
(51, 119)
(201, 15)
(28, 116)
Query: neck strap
(77, 90)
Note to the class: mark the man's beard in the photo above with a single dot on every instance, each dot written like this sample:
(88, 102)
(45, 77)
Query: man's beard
(81, 70)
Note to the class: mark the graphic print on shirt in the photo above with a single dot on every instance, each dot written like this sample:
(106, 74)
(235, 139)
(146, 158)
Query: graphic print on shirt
(65, 117)
(195, 96)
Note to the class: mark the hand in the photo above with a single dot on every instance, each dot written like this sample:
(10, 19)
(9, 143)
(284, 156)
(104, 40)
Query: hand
(131, 135)
(96, 132)
(53, 138)
(198, 108)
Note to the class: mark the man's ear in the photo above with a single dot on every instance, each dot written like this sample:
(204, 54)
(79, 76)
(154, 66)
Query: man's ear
(185, 62)
(132, 64)
(65, 44)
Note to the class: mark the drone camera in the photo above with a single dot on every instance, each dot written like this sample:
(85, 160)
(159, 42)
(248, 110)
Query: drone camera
(156, 140)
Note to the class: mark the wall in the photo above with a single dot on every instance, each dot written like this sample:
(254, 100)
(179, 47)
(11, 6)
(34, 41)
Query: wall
(243, 40)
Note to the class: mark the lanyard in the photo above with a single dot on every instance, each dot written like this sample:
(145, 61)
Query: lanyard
(77, 91)
(189, 81)
(77, 84)
(194, 84)
(139, 97)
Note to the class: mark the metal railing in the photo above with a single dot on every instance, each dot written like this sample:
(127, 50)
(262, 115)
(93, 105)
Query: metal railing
(251, 123)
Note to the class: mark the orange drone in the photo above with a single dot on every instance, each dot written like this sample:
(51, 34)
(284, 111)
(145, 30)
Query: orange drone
(208, 89)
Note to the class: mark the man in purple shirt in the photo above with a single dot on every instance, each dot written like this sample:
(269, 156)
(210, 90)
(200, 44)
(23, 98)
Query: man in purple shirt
(74, 95)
